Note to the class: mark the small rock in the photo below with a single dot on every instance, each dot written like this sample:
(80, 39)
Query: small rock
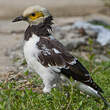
(67, 28)
(100, 58)
(71, 44)
(82, 31)
(91, 33)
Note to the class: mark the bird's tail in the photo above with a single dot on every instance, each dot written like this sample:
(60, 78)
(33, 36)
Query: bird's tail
(104, 100)
(90, 91)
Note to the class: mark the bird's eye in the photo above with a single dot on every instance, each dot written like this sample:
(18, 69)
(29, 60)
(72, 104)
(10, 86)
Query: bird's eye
(33, 14)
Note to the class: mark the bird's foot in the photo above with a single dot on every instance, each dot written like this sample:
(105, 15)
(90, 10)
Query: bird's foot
(46, 89)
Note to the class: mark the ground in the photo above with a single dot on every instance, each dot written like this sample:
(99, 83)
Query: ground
(24, 90)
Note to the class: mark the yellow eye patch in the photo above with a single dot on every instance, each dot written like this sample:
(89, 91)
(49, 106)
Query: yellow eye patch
(35, 15)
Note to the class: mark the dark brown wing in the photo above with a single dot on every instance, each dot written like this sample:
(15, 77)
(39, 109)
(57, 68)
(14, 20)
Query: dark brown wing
(54, 54)
(78, 72)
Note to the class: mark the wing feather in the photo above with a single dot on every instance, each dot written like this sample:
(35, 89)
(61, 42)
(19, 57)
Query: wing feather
(69, 65)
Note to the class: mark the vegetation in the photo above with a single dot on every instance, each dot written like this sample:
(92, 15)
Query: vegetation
(101, 23)
(68, 98)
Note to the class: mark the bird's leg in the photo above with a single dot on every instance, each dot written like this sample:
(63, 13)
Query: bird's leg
(46, 89)
(47, 86)
(54, 82)
(64, 80)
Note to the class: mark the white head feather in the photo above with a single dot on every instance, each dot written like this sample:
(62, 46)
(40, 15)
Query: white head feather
(33, 15)
(35, 8)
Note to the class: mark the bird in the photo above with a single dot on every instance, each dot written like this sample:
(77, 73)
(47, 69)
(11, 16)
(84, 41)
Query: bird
(47, 57)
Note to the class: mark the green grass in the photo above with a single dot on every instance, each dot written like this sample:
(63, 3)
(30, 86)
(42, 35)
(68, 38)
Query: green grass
(99, 23)
(69, 98)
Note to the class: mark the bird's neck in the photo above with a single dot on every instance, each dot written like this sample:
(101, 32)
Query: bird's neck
(41, 29)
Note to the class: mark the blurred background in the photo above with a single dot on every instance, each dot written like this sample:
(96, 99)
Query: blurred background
(66, 13)
(59, 8)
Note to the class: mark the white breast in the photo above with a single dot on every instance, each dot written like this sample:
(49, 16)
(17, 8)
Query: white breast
(31, 54)
(30, 48)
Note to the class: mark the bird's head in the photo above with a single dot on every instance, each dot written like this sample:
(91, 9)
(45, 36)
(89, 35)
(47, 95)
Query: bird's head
(33, 15)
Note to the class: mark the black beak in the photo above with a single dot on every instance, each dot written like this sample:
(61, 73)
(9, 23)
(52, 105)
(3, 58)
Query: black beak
(19, 18)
